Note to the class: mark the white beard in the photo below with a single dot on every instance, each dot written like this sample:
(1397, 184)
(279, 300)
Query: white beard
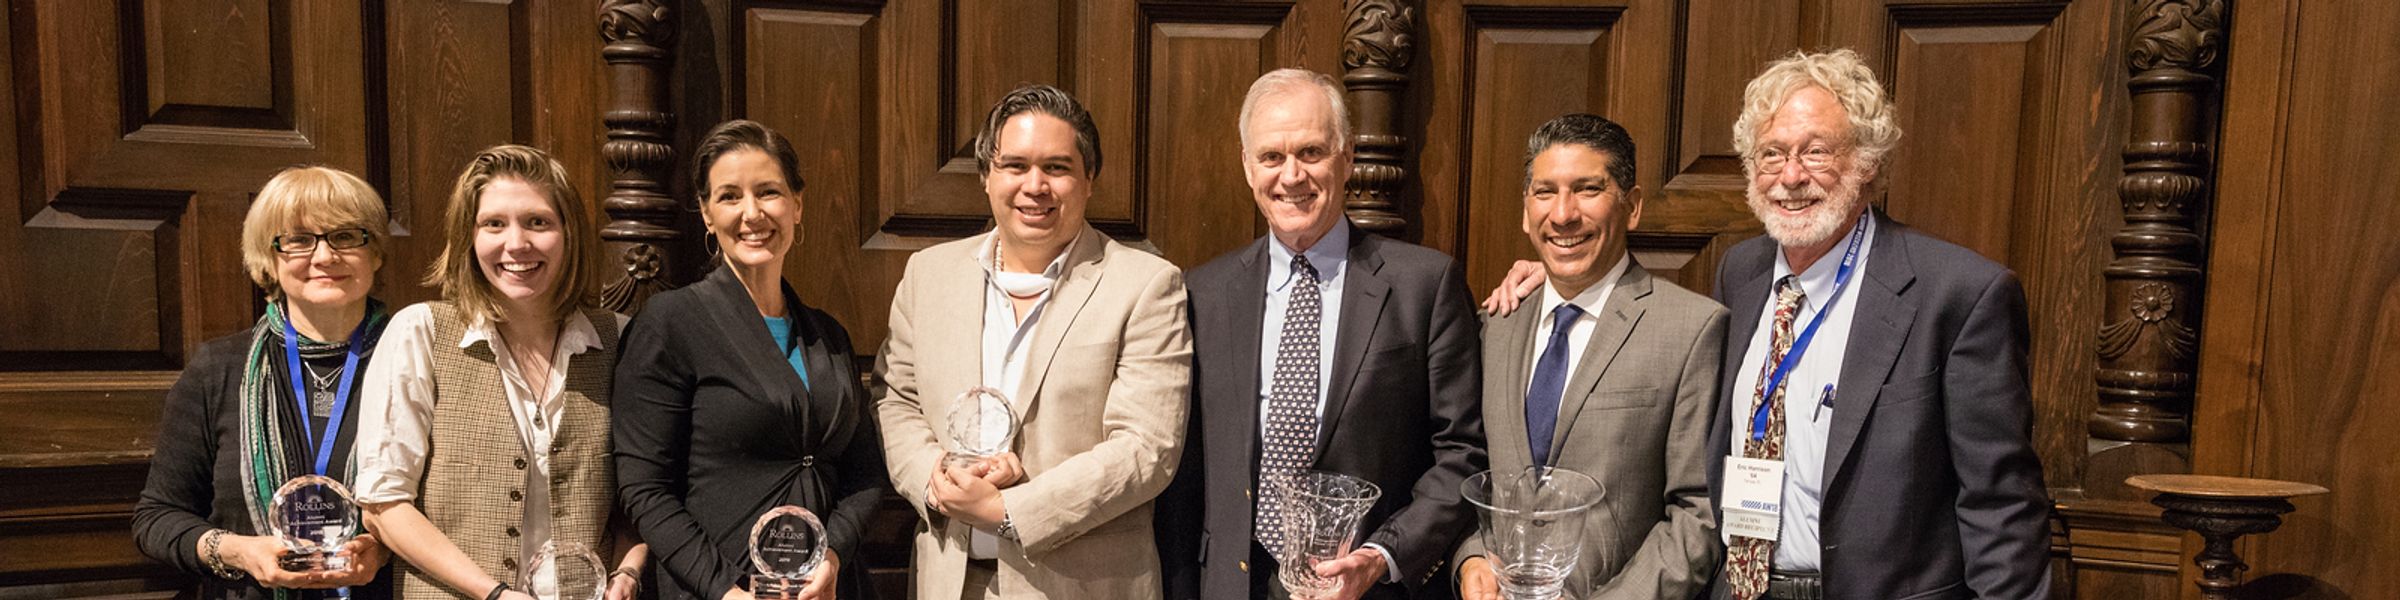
(1821, 224)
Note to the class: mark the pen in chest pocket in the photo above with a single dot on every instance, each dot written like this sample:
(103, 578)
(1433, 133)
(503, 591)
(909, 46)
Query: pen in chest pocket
(1825, 401)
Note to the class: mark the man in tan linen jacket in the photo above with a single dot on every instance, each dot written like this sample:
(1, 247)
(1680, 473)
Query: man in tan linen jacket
(1085, 337)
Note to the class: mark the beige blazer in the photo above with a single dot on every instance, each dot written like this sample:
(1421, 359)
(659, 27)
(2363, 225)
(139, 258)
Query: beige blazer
(1635, 416)
(1102, 427)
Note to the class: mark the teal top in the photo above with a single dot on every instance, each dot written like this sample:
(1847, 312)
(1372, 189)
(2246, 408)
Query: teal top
(780, 328)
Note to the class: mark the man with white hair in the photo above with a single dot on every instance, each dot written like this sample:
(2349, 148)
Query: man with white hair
(1329, 349)
(1877, 422)
(1875, 425)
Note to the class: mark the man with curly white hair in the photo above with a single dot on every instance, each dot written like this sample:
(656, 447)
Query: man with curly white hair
(1876, 423)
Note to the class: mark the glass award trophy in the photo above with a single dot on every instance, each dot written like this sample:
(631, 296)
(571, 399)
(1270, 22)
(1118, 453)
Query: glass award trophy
(1322, 511)
(1532, 523)
(982, 425)
(581, 575)
(313, 516)
(786, 547)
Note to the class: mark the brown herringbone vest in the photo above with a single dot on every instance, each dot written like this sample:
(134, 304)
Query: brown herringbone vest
(473, 489)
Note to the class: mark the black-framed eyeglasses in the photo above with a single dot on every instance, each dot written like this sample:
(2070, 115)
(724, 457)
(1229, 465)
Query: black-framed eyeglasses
(1817, 158)
(339, 239)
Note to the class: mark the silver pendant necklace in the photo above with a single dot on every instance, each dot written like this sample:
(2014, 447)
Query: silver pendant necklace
(320, 398)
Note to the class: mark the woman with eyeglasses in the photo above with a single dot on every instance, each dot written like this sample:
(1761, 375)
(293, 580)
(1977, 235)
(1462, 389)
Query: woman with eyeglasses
(485, 437)
(257, 408)
(734, 397)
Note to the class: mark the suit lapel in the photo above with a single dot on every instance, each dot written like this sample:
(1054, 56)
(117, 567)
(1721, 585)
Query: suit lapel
(736, 316)
(1878, 327)
(1623, 312)
(1247, 315)
(1084, 262)
(1746, 299)
(1510, 350)
(1363, 292)
(952, 331)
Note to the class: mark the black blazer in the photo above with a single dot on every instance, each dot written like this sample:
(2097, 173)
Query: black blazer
(1402, 411)
(196, 470)
(1932, 488)
(713, 428)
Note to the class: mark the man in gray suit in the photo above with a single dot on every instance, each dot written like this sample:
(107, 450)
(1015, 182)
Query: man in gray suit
(1884, 450)
(1615, 376)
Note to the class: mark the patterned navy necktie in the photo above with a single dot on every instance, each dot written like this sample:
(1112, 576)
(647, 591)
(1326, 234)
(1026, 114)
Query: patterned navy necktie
(1291, 432)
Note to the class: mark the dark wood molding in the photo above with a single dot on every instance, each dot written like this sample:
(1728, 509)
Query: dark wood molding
(641, 206)
(2149, 340)
(1378, 41)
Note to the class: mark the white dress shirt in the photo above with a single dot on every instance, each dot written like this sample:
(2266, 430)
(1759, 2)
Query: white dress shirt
(1807, 420)
(1579, 334)
(1006, 342)
(396, 415)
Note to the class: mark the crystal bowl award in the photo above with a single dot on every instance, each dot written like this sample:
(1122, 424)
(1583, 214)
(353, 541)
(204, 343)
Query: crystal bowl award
(1532, 523)
(313, 516)
(981, 426)
(1321, 514)
(786, 547)
(580, 572)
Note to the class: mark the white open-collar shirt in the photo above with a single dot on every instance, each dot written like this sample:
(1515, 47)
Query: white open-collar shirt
(396, 415)
(1807, 420)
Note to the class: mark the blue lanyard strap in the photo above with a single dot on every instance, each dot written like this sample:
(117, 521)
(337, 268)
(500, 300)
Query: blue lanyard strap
(341, 398)
(1791, 358)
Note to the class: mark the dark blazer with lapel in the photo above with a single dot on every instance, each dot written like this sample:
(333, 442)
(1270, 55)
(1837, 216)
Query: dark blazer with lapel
(1635, 416)
(713, 427)
(1401, 411)
(1932, 487)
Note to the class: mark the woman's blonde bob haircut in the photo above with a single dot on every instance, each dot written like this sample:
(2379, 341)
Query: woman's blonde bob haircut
(304, 196)
(1874, 129)
(460, 275)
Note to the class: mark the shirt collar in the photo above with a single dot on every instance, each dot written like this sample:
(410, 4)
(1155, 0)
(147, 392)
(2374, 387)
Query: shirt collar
(1591, 299)
(1329, 255)
(1816, 284)
(1057, 267)
(576, 337)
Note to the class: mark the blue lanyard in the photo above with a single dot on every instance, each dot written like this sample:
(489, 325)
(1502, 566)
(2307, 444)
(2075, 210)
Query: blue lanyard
(1791, 358)
(341, 398)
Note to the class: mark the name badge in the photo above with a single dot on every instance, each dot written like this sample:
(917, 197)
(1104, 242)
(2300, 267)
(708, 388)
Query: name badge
(1753, 498)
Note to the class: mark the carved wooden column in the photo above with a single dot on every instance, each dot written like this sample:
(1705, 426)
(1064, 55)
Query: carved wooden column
(2222, 509)
(641, 210)
(2149, 344)
(1376, 47)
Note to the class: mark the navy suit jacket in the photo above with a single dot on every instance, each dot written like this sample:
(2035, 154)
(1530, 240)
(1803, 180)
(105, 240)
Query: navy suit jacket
(1932, 487)
(1402, 411)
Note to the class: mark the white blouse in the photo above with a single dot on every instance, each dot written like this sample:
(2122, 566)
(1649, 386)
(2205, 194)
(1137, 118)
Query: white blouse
(396, 414)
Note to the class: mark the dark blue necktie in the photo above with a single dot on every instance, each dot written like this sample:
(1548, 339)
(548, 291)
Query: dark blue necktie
(1549, 379)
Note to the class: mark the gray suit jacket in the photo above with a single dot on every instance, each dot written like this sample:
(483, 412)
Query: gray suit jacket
(1635, 416)
(1932, 489)
(1106, 384)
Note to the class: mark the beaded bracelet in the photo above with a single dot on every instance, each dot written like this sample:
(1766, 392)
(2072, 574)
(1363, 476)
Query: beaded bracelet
(215, 559)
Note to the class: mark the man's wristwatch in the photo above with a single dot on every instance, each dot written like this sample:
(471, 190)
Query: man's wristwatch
(1008, 528)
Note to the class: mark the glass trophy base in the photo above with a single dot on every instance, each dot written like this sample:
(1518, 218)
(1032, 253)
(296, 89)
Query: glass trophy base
(776, 588)
(314, 561)
(961, 461)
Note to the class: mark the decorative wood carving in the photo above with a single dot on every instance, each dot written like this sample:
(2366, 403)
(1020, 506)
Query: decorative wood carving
(641, 209)
(2148, 346)
(2222, 509)
(1376, 48)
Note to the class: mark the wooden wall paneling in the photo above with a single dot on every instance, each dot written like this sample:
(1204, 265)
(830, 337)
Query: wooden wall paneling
(2323, 266)
(1506, 68)
(1196, 66)
(453, 91)
(1993, 160)
(1378, 43)
(1522, 67)
(824, 106)
(142, 129)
